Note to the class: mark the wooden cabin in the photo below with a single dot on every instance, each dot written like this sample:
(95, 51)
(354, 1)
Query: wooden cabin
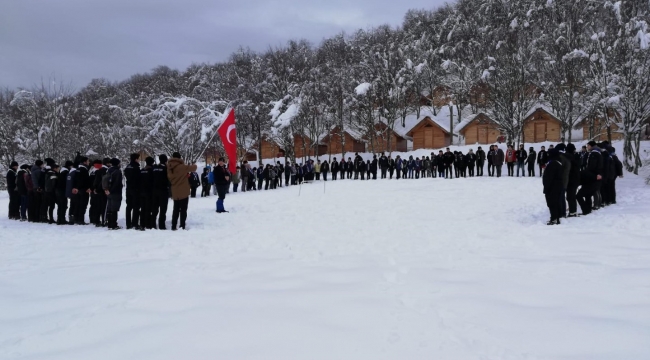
(269, 150)
(349, 141)
(427, 134)
(303, 147)
(480, 130)
(595, 128)
(383, 134)
(541, 126)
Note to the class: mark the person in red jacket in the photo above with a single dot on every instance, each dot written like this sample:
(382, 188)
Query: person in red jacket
(511, 158)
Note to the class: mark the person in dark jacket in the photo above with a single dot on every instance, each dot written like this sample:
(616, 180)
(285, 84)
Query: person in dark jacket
(498, 160)
(131, 173)
(391, 167)
(195, 182)
(14, 196)
(287, 172)
(221, 179)
(383, 165)
(480, 161)
(530, 161)
(440, 161)
(161, 193)
(69, 185)
(470, 161)
(609, 174)
(566, 171)
(490, 159)
(94, 211)
(98, 193)
(113, 194)
(146, 184)
(60, 192)
(399, 164)
(574, 179)
(583, 157)
(542, 159)
(324, 169)
(448, 159)
(205, 183)
(49, 192)
(368, 169)
(522, 156)
(335, 168)
(81, 190)
(618, 173)
(590, 177)
(36, 199)
(552, 181)
(24, 187)
(373, 168)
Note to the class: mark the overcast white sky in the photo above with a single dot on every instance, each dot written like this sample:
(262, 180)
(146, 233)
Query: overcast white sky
(78, 40)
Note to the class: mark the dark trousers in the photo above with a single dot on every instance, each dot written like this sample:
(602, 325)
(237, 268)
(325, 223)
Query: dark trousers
(490, 169)
(221, 192)
(390, 173)
(287, 177)
(334, 175)
(383, 173)
(14, 204)
(259, 183)
(235, 186)
(441, 171)
(49, 200)
(61, 207)
(205, 190)
(520, 166)
(193, 192)
(102, 202)
(531, 171)
(541, 170)
(33, 207)
(160, 202)
(362, 175)
(24, 205)
(511, 168)
(612, 191)
(399, 171)
(553, 203)
(374, 175)
(72, 211)
(497, 169)
(349, 174)
(479, 168)
(598, 199)
(325, 175)
(317, 176)
(244, 184)
(42, 207)
(180, 209)
(470, 169)
(93, 212)
(571, 193)
(146, 219)
(449, 174)
(132, 210)
(113, 204)
(82, 205)
(562, 201)
(584, 197)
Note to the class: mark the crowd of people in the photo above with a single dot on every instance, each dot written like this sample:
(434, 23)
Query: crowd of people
(35, 191)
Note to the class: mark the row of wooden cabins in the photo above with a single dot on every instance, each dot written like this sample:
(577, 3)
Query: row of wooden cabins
(540, 126)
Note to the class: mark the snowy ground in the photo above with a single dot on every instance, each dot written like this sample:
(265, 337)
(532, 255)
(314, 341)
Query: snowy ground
(415, 269)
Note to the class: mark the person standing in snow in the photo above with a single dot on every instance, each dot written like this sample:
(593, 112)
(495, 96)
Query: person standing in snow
(60, 193)
(14, 197)
(498, 159)
(317, 169)
(236, 179)
(542, 159)
(521, 155)
(399, 163)
(113, 191)
(194, 182)
(590, 177)
(470, 160)
(373, 168)
(81, 190)
(98, 193)
(511, 157)
(177, 173)
(618, 173)
(24, 187)
(334, 167)
(440, 160)
(530, 161)
(49, 192)
(574, 180)
(325, 168)
(161, 191)
(566, 172)
(490, 159)
(449, 158)
(205, 182)
(480, 161)
(222, 178)
(552, 181)
(244, 176)
(35, 200)
(131, 173)
(146, 184)
(350, 167)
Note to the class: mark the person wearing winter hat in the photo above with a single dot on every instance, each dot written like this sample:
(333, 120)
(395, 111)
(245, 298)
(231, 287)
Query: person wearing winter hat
(14, 197)
(552, 181)
(113, 191)
(177, 172)
(36, 198)
(160, 192)
(81, 190)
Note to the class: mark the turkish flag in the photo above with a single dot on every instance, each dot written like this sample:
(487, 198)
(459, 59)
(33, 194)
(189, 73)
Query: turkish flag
(228, 134)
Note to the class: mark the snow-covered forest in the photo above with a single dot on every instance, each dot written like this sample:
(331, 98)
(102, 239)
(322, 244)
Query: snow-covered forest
(582, 58)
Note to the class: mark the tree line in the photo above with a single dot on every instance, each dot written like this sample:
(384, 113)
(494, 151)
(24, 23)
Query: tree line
(582, 58)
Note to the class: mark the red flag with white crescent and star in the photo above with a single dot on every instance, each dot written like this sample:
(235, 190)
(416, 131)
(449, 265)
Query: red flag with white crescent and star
(228, 133)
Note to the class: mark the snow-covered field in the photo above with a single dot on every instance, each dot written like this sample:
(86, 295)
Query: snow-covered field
(409, 269)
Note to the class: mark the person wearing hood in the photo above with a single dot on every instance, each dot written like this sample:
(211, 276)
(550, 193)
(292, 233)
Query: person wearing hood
(36, 199)
(552, 181)
(590, 178)
(177, 173)
(325, 168)
(14, 196)
(566, 171)
(60, 192)
(113, 191)
(160, 192)
(132, 175)
(530, 161)
(574, 179)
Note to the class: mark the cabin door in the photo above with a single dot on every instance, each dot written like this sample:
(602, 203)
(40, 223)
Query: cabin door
(540, 132)
(482, 137)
